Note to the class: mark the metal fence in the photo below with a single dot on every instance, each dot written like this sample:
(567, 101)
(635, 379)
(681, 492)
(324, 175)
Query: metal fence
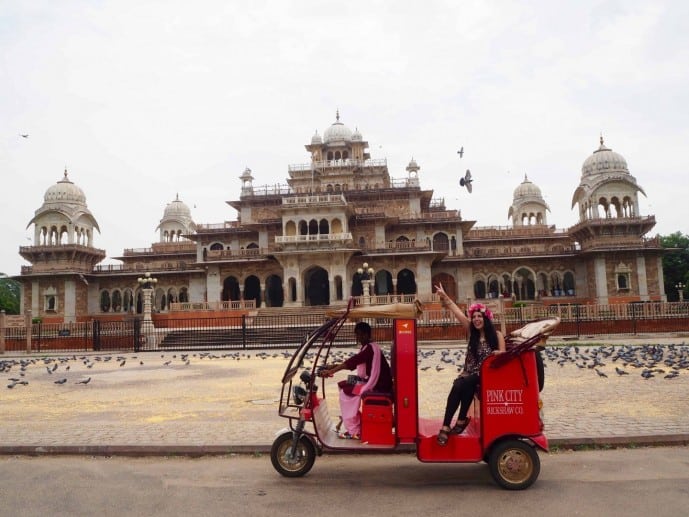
(253, 332)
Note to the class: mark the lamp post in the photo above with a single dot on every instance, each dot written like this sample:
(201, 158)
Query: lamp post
(147, 283)
(680, 290)
(366, 275)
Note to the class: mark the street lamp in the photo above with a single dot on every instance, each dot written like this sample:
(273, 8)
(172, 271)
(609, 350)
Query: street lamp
(147, 283)
(680, 290)
(366, 276)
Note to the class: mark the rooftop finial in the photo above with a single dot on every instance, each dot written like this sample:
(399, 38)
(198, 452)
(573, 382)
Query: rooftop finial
(601, 139)
(337, 114)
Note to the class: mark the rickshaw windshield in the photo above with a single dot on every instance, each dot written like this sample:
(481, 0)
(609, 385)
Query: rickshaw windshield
(297, 360)
(329, 329)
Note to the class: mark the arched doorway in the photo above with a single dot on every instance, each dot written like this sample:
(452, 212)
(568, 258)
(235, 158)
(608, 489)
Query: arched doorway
(316, 286)
(275, 296)
(230, 289)
(441, 242)
(406, 282)
(448, 282)
(252, 289)
(383, 282)
(524, 285)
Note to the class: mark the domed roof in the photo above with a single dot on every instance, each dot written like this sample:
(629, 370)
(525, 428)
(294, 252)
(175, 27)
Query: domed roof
(316, 139)
(66, 202)
(527, 189)
(356, 136)
(338, 132)
(64, 191)
(176, 210)
(604, 160)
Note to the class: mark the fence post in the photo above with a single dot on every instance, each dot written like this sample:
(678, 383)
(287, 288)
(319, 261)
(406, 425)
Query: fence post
(29, 328)
(244, 331)
(2, 331)
(137, 334)
(96, 336)
(578, 320)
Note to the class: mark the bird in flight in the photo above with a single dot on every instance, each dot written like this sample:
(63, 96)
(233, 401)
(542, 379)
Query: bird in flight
(24, 135)
(466, 181)
(461, 152)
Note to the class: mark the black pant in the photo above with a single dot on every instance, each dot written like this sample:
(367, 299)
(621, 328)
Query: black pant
(461, 395)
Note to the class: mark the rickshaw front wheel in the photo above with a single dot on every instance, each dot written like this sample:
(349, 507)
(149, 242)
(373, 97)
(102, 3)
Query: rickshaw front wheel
(288, 464)
(514, 464)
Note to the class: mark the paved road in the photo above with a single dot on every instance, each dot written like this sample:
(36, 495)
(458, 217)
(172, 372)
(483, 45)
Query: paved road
(162, 402)
(625, 482)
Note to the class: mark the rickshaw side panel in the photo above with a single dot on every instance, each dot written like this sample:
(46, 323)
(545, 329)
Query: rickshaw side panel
(465, 447)
(405, 375)
(509, 399)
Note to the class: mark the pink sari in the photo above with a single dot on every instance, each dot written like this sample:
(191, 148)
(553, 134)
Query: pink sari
(349, 404)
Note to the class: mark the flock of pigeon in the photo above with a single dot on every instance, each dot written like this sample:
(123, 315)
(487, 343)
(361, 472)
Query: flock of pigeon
(647, 361)
(59, 369)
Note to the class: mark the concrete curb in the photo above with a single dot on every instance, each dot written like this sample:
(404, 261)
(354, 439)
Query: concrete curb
(193, 451)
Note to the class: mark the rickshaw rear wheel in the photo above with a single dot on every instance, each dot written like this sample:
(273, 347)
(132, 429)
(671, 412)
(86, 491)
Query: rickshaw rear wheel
(302, 460)
(514, 464)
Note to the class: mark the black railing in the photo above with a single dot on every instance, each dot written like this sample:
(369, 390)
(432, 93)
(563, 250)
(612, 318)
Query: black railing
(246, 332)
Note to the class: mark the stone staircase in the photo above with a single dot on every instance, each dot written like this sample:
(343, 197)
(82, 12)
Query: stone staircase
(266, 328)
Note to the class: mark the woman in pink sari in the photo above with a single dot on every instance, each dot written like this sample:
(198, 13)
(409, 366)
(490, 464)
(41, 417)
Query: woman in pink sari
(373, 374)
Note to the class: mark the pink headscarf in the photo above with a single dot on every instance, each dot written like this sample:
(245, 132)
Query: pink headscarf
(482, 309)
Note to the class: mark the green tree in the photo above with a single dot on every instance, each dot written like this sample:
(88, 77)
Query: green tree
(675, 264)
(9, 294)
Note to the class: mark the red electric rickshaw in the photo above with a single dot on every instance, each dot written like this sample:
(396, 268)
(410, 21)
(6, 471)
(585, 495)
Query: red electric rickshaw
(505, 431)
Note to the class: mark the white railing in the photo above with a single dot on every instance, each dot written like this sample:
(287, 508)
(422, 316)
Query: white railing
(317, 237)
(348, 162)
(319, 199)
(231, 305)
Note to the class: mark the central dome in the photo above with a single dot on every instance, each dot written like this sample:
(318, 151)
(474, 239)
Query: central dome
(338, 132)
(604, 160)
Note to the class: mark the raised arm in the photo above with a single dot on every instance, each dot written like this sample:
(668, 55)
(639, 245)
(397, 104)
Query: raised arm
(452, 306)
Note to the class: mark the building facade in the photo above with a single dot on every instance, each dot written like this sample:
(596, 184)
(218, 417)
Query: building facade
(306, 242)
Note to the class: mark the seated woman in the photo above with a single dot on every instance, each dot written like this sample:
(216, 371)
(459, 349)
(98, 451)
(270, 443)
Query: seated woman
(484, 340)
(373, 372)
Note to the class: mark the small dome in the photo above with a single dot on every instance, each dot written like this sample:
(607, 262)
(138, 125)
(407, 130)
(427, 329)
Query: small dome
(64, 191)
(177, 209)
(527, 189)
(338, 132)
(413, 166)
(316, 139)
(356, 136)
(604, 160)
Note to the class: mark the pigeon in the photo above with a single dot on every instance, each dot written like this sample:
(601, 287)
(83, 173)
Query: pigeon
(85, 381)
(461, 152)
(466, 181)
(620, 371)
(123, 362)
(61, 381)
(24, 135)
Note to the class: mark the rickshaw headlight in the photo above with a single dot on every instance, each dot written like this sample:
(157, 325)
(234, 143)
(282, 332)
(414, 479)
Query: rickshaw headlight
(305, 377)
(299, 395)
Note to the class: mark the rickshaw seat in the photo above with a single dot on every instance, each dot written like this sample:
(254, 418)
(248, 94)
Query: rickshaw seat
(377, 398)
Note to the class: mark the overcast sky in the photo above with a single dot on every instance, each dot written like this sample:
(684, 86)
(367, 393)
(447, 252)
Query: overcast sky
(143, 100)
